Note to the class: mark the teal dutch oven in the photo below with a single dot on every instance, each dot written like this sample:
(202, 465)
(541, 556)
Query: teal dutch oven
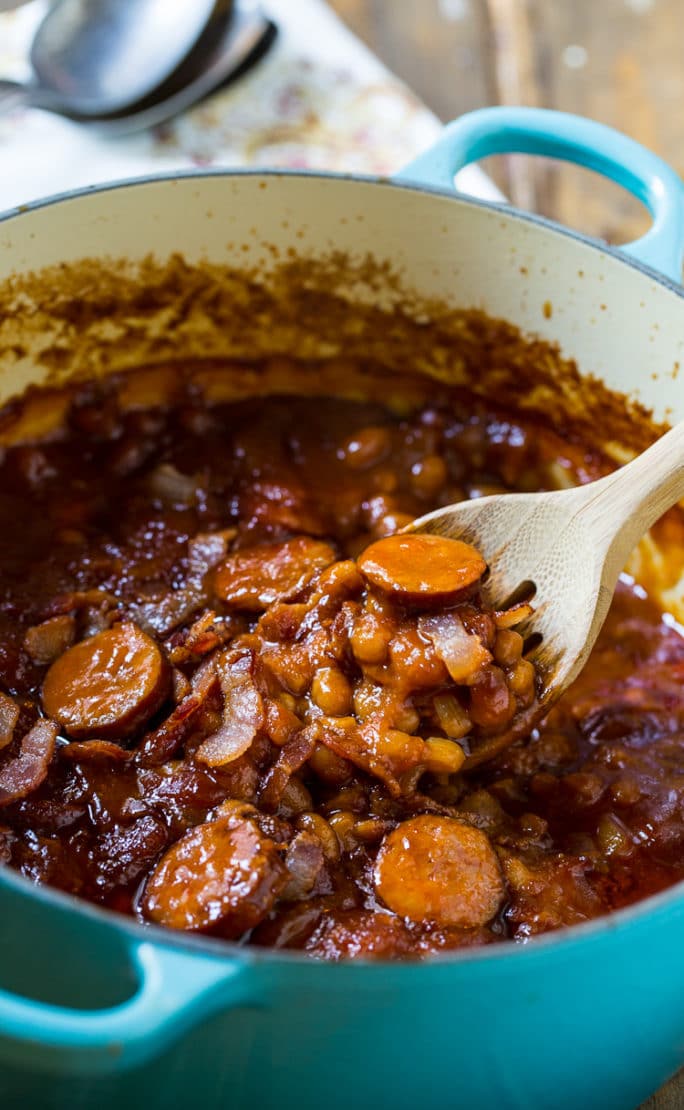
(97, 1011)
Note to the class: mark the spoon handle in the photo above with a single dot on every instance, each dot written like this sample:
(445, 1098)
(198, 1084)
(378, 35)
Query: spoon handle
(620, 508)
(12, 95)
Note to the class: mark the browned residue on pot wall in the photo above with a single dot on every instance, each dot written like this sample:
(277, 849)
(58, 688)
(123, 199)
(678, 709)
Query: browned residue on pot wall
(351, 323)
(328, 326)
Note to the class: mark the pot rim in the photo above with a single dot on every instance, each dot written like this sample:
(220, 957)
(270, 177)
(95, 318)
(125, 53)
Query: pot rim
(563, 939)
(502, 209)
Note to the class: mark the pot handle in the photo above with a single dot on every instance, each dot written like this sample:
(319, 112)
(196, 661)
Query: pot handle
(573, 139)
(176, 991)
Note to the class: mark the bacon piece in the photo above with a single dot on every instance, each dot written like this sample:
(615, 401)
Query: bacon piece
(24, 773)
(205, 634)
(305, 861)
(94, 751)
(45, 642)
(162, 744)
(387, 753)
(293, 755)
(161, 615)
(243, 711)
(9, 715)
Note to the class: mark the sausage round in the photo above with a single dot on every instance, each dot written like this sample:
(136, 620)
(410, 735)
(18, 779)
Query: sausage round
(108, 685)
(422, 568)
(221, 876)
(439, 869)
(252, 579)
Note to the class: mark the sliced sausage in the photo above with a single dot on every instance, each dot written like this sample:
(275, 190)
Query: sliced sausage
(107, 686)
(438, 869)
(222, 876)
(252, 579)
(422, 568)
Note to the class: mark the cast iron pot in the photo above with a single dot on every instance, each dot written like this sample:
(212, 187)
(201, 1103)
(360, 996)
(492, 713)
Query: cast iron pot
(96, 1011)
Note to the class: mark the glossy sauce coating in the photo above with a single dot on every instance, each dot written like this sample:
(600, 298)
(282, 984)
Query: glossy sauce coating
(438, 869)
(107, 685)
(283, 763)
(427, 569)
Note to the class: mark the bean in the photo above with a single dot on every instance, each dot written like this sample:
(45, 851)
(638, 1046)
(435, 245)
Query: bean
(508, 648)
(585, 789)
(318, 825)
(392, 522)
(329, 766)
(367, 699)
(385, 480)
(108, 685)
(422, 568)
(439, 869)
(372, 829)
(533, 825)
(331, 692)
(295, 798)
(342, 824)
(625, 791)
(428, 476)
(443, 757)
(367, 447)
(492, 705)
(369, 639)
(404, 716)
(280, 722)
(415, 663)
(521, 680)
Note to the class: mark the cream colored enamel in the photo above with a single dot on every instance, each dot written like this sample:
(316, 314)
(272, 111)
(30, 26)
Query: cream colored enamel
(615, 321)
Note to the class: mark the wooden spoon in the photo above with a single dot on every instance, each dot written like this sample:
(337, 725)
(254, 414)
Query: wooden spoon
(565, 550)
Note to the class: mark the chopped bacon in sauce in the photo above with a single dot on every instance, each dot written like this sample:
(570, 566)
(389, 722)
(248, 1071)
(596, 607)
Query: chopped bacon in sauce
(234, 701)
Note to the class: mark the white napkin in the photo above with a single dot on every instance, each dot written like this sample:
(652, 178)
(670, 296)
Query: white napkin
(319, 99)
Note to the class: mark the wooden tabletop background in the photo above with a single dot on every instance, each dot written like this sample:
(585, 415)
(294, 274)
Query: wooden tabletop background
(618, 61)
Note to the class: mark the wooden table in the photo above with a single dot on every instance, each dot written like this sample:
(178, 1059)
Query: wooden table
(619, 61)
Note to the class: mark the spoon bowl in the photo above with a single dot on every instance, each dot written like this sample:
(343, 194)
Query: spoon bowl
(239, 42)
(563, 551)
(93, 58)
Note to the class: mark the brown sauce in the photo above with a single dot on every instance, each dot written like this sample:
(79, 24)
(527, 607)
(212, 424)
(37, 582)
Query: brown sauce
(257, 737)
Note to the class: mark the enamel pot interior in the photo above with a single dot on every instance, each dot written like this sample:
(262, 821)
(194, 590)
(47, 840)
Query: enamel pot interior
(625, 327)
(621, 324)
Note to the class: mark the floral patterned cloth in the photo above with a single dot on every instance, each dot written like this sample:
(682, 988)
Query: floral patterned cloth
(319, 99)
